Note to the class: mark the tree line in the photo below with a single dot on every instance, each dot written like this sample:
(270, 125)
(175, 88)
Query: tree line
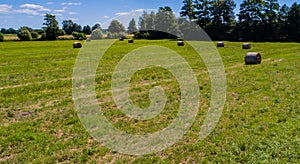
(52, 31)
(257, 20)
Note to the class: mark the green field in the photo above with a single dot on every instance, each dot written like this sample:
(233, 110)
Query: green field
(39, 123)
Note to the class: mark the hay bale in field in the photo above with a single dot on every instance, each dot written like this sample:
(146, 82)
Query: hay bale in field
(253, 58)
(88, 39)
(246, 46)
(121, 39)
(220, 44)
(77, 45)
(130, 41)
(180, 43)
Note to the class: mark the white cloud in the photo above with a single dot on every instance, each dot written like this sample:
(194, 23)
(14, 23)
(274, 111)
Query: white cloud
(58, 14)
(131, 12)
(138, 10)
(4, 8)
(122, 13)
(71, 4)
(49, 3)
(27, 11)
(106, 17)
(34, 7)
(60, 11)
(72, 13)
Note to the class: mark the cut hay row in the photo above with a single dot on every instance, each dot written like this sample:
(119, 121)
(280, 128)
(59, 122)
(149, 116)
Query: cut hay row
(35, 83)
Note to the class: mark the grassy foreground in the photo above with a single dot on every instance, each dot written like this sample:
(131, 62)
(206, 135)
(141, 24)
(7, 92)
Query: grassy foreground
(39, 124)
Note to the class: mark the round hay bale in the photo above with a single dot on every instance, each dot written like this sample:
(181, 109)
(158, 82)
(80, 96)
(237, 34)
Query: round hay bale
(88, 39)
(253, 58)
(220, 44)
(130, 41)
(80, 39)
(180, 43)
(246, 46)
(121, 39)
(77, 45)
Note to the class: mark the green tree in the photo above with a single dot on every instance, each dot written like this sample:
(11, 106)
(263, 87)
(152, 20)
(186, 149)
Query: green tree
(78, 35)
(147, 21)
(52, 28)
(142, 21)
(28, 28)
(151, 21)
(1, 37)
(250, 19)
(61, 32)
(293, 22)
(188, 9)
(166, 21)
(282, 33)
(203, 12)
(112, 35)
(77, 27)
(132, 26)
(222, 12)
(116, 27)
(222, 16)
(34, 35)
(68, 26)
(11, 31)
(189, 29)
(96, 26)
(87, 30)
(270, 19)
(3, 31)
(97, 34)
(24, 34)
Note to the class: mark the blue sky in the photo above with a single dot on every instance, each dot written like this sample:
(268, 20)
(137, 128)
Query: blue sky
(16, 13)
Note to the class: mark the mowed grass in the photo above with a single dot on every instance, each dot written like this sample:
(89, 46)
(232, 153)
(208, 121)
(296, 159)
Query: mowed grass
(39, 124)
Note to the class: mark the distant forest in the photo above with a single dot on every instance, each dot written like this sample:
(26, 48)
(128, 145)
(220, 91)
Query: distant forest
(257, 20)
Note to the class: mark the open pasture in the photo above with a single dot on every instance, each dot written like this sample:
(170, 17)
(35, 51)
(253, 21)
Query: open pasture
(39, 123)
